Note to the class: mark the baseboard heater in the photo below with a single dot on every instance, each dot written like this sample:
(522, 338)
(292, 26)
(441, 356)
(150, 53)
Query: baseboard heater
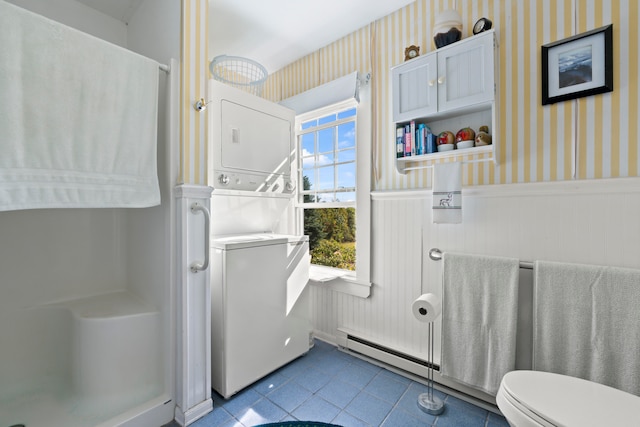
(410, 366)
(353, 343)
(396, 358)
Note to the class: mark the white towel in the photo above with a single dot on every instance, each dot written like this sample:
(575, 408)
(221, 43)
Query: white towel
(586, 323)
(447, 193)
(479, 319)
(78, 118)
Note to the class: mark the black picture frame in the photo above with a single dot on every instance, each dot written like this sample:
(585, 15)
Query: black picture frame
(578, 66)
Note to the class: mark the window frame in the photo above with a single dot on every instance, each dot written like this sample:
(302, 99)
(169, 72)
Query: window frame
(356, 282)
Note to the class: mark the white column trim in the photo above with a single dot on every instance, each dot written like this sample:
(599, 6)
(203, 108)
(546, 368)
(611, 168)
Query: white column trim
(193, 309)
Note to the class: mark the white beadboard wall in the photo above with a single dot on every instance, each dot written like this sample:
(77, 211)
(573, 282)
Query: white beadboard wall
(589, 221)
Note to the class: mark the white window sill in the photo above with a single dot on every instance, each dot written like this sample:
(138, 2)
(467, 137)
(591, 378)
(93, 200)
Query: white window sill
(339, 280)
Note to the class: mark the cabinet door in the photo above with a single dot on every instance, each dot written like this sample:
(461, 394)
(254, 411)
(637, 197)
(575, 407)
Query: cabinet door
(415, 89)
(466, 73)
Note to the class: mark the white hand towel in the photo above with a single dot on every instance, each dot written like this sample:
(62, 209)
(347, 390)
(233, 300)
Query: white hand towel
(586, 323)
(78, 118)
(479, 318)
(447, 193)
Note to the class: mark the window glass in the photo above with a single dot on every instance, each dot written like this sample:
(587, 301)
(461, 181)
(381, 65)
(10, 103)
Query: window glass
(309, 179)
(332, 235)
(328, 173)
(308, 144)
(351, 112)
(346, 155)
(326, 138)
(326, 178)
(325, 159)
(309, 124)
(346, 176)
(327, 119)
(346, 135)
(346, 197)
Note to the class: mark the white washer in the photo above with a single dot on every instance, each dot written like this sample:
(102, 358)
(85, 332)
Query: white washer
(260, 310)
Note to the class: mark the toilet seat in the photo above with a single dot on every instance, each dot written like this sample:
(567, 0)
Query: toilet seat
(533, 398)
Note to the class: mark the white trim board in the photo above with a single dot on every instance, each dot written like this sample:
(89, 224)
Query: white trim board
(590, 186)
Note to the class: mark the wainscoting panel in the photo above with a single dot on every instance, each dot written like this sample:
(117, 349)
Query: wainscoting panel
(589, 222)
(397, 271)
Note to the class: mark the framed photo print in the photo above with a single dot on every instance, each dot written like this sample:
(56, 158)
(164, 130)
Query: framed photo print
(578, 66)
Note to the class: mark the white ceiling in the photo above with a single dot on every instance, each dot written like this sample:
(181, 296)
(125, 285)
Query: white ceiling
(121, 10)
(274, 33)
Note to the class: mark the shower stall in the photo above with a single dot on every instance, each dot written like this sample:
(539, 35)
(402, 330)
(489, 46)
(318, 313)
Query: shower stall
(87, 295)
(82, 312)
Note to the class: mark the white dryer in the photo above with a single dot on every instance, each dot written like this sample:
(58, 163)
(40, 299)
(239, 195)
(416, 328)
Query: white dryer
(260, 310)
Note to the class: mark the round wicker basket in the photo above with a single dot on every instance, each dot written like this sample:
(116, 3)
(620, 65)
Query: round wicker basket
(242, 73)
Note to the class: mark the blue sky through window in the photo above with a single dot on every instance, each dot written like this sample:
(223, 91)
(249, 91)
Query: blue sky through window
(328, 156)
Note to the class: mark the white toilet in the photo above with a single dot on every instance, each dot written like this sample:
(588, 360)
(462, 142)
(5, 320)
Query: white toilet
(534, 399)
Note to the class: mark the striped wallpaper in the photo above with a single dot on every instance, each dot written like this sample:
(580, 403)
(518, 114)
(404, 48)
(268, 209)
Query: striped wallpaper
(348, 54)
(193, 78)
(592, 137)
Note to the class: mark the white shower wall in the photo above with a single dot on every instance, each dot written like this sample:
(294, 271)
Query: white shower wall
(79, 16)
(592, 222)
(53, 255)
(48, 256)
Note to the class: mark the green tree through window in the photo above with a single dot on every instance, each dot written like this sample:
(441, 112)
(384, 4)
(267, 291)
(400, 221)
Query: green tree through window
(331, 234)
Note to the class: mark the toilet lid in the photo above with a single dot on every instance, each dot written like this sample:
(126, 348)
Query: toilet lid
(565, 401)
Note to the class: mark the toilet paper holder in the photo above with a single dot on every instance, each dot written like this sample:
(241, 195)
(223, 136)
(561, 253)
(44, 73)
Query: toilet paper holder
(427, 309)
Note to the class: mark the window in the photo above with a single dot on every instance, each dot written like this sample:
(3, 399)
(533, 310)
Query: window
(334, 172)
(327, 147)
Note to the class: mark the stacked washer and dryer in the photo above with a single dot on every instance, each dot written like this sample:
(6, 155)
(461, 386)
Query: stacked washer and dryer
(260, 309)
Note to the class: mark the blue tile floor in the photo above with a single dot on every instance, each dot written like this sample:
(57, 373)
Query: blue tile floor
(331, 386)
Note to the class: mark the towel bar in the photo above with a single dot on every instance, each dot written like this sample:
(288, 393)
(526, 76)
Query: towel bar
(465, 162)
(436, 255)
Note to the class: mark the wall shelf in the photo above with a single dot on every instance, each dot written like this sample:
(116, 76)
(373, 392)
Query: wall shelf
(406, 164)
(446, 154)
(448, 89)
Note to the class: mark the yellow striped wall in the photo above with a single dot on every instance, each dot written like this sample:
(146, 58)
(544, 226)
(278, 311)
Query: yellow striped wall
(589, 138)
(193, 78)
(348, 54)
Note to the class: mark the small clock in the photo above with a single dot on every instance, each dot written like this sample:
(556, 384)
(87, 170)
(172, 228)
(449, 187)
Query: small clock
(411, 52)
(483, 24)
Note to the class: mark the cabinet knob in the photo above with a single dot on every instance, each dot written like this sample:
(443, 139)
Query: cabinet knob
(440, 80)
(432, 82)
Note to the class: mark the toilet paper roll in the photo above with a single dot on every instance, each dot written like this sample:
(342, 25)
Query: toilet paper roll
(427, 307)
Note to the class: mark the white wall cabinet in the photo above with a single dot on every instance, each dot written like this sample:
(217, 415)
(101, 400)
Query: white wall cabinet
(415, 91)
(448, 89)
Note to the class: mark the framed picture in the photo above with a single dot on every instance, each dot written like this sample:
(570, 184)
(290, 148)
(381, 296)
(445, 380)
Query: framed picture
(578, 66)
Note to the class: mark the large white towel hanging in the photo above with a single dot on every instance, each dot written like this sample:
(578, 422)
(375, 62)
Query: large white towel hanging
(78, 118)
